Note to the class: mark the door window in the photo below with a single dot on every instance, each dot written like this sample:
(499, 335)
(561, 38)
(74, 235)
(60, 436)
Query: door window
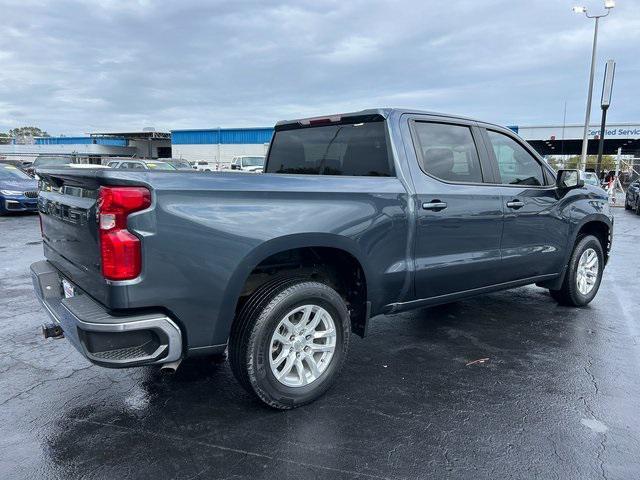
(515, 164)
(448, 152)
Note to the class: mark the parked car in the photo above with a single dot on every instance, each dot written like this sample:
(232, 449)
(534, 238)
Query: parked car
(591, 178)
(86, 165)
(632, 198)
(357, 215)
(140, 164)
(19, 164)
(205, 166)
(50, 161)
(18, 191)
(248, 163)
(179, 164)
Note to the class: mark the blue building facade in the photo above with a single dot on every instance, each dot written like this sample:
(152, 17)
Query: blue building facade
(230, 136)
(108, 141)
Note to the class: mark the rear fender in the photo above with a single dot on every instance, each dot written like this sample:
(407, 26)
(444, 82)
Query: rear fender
(264, 251)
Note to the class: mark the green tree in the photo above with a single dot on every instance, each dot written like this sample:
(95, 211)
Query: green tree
(572, 162)
(27, 132)
(554, 161)
(25, 135)
(608, 162)
(5, 138)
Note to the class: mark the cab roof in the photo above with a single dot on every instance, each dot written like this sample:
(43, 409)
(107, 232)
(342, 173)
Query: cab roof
(371, 113)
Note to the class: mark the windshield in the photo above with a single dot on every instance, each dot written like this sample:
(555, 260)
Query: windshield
(160, 166)
(252, 161)
(40, 161)
(591, 179)
(9, 172)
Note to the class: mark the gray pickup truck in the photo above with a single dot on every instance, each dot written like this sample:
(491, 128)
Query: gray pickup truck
(356, 215)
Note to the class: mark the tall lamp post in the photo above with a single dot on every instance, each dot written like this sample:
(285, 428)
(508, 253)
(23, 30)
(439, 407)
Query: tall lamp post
(608, 5)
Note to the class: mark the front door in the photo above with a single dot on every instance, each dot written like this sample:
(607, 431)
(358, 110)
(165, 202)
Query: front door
(534, 237)
(459, 217)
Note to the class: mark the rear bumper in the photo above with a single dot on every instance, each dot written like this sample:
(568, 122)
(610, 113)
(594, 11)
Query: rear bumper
(105, 339)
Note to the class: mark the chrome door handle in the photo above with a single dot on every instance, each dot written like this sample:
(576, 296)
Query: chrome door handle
(435, 205)
(515, 204)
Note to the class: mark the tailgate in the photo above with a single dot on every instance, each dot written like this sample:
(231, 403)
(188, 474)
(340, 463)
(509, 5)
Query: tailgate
(67, 205)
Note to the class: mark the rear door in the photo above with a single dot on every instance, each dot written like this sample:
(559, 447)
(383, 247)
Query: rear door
(533, 238)
(459, 216)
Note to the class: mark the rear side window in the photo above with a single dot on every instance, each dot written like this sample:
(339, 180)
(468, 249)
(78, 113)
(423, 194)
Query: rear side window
(515, 164)
(448, 152)
(358, 149)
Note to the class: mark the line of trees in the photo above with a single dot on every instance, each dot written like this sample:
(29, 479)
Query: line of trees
(608, 162)
(22, 135)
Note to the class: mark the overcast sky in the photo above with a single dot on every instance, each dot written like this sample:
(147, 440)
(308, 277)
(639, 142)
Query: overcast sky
(72, 67)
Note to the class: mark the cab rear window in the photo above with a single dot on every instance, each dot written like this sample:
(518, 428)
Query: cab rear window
(353, 149)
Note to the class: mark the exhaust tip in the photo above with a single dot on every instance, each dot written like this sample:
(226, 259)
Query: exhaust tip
(52, 330)
(170, 368)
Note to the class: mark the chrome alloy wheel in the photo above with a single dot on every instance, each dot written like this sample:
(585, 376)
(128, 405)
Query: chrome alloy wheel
(587, 272)
(302, 345)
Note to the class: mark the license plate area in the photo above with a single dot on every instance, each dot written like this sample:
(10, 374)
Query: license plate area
(68, 289)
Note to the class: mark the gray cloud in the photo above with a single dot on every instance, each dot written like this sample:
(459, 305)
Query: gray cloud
(78, 66)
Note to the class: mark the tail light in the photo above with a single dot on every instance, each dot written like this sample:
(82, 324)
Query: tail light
(120, 250)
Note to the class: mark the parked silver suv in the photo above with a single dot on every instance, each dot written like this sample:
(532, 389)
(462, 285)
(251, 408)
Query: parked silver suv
(131, 164)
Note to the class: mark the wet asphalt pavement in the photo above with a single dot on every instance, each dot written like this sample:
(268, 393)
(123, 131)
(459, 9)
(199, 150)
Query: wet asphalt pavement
(557, 397)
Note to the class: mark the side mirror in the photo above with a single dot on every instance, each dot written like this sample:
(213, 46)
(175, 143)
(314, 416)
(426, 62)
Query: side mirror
(568, 179)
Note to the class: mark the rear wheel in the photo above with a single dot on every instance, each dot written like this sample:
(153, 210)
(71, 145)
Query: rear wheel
(290, 341)
(584, 273)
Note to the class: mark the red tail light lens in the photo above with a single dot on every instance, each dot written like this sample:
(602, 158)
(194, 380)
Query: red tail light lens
(120, 250)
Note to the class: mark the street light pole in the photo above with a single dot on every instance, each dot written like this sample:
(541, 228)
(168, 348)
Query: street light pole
(585, 134)
(608, 5)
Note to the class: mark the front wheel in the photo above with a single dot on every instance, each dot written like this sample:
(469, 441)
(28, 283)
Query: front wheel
(584, 273)
(290, 341)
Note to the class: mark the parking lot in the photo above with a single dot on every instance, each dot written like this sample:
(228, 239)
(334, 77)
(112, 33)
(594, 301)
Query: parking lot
(508, 385)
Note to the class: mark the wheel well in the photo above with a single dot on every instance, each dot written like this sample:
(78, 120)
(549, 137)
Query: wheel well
(333, 266)
(600, 230)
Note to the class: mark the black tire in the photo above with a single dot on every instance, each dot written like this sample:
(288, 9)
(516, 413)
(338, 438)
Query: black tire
(250, 340)
(556, 295)
(569, 293)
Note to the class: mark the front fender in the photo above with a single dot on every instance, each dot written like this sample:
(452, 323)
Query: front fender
(579, 209)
